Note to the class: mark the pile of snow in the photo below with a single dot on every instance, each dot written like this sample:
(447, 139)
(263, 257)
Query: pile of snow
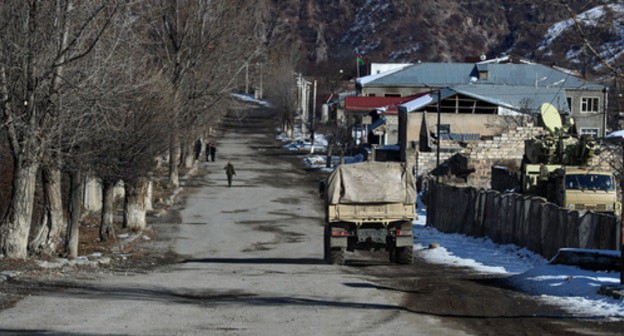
(250, 99)
(571, 288)
(301, 143)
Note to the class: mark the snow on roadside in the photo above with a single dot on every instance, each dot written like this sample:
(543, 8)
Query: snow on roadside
(250, 99)
(571, 288)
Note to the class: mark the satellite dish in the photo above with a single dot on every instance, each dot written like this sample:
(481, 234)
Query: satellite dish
(483, 57)
(550, 117)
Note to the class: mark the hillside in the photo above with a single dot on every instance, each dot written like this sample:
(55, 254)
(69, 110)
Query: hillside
(450, 30)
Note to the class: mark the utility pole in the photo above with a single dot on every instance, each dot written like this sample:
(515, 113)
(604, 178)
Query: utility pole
(246, 78)
(439, 140)
(313, 114)
(261, 92)
(605, 92)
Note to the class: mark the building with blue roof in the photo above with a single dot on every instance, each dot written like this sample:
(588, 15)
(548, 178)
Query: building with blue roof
(510, 88)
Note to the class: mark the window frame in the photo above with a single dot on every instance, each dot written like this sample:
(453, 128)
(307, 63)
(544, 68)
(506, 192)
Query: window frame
(586, 100)
(596, 129)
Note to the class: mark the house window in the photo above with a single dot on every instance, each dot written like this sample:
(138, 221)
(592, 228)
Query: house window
(589, 105)
(392, 95)
(569, 101)
(589, 131)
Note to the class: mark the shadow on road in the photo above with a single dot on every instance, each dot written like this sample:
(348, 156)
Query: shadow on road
(283, 261)
(36, 332)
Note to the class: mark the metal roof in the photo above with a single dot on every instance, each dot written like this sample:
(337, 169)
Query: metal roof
(451, 74)
(377, 123)
(519, 98)
(460, 136)
(425, 100)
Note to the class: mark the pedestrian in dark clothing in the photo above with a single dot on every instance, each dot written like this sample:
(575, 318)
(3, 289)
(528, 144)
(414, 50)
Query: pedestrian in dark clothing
(229, 171)
(198, 146)
(213, 152)
(208, 146)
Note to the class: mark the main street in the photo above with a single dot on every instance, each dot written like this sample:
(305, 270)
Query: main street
(251, 265)
(249, 262)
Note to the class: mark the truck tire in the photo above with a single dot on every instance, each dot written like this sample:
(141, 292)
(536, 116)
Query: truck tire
(392, 255)
(326, 246)
(405, 254)
(337, 256)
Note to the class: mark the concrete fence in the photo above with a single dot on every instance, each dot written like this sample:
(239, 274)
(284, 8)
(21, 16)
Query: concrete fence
(511, 218)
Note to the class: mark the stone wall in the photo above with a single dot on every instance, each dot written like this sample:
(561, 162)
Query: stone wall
(505, 148)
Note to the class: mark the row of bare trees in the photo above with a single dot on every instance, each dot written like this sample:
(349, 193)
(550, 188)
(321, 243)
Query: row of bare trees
(102, 88)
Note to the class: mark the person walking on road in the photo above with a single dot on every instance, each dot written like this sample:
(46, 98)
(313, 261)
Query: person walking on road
(213, 151)
(230, 172)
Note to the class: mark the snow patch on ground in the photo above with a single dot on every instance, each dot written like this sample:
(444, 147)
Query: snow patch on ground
(571, 288)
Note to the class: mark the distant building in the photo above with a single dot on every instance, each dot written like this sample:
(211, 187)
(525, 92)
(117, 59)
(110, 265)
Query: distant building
(511, 88)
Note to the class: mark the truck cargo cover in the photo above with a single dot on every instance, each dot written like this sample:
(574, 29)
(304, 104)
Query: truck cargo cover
(371, 182)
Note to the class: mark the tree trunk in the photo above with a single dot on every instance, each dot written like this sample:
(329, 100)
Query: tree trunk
(108, 211)
(202, 151)
(189, 156)
(71, 244)
(16, 224)
(174, 160)
(149, 195)
(54, 225)
(134, 207)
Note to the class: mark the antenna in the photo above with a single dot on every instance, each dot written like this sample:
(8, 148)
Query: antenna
(550, 117)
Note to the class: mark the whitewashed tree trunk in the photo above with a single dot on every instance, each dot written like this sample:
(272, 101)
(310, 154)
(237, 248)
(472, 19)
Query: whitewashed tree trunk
(54, 226)
(174, 160)
(16, 225)
(189, 156)
(149, 195)
(201, 156)
(134, 207)
(108, 211)
(75, 202)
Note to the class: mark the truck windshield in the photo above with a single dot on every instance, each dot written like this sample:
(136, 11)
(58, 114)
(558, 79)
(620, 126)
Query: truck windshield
(589, 181)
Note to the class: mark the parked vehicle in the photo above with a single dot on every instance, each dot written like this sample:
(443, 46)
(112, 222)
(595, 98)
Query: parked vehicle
(555, 166)
(369, 205)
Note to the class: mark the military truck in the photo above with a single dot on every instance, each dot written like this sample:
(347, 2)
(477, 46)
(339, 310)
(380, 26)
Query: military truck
(369, 206)
(555, 166)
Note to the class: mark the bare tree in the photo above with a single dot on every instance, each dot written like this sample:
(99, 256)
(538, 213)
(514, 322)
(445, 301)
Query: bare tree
(40, 39)
(281, 86)
(200, 46)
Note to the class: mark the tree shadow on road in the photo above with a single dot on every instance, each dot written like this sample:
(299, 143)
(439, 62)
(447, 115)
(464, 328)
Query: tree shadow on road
(253, 261)
(38, 332)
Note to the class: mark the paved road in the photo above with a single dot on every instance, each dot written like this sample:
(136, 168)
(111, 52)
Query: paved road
(252, 266)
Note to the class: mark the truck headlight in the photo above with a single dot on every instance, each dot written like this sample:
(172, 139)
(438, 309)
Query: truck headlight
(571, 206)
(610, 207)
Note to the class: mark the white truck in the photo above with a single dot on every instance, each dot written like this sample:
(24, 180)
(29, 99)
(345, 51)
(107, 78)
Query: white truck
(369, 206)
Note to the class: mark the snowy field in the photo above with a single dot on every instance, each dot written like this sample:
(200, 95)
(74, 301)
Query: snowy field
(573, 289)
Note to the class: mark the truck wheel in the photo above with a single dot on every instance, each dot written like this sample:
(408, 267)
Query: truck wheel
(326, 247)
(405, 254)
(337, 256)
(392, 254)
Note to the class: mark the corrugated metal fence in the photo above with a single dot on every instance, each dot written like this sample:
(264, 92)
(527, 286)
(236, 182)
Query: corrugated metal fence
(511, 218)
